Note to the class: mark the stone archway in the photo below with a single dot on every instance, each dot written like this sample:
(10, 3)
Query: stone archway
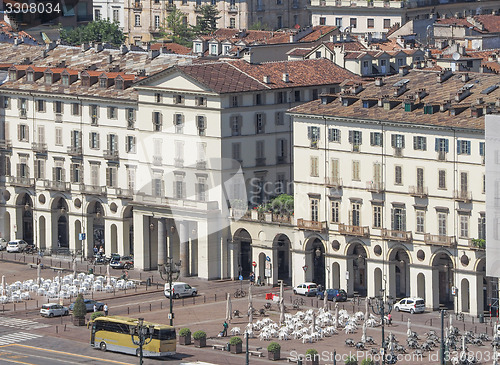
(465, 295)
(128, 231)
(244, 252)
(59, 213)
(335, 275)
(400, 259)
(95, 225)
(315, 261)
(358, 276)
(421, 286)
(283, 257)
(377, 276)
(25, 218)
(443, 278)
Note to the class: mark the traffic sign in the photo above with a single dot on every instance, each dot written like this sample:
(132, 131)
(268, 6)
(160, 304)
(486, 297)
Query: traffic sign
(240, 277)
(81, 236)
(254, 264)
(268, 258)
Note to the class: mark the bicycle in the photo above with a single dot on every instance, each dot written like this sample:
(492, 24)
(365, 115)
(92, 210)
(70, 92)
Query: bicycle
(239, 293)
(298, 302)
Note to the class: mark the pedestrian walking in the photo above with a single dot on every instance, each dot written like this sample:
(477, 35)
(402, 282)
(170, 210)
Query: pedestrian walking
(95, 250)
(106, 309)
(224, 331)
(95, 308)
(252, 278)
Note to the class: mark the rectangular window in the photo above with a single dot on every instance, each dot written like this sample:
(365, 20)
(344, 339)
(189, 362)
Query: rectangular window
(40, 169)
(258, 99)
(281, 184)
(314, 166)
(420, 223)
(201, 189)
(335, 218)
(442, 217)
(398, 141)
(377, 173)
(355, 219)
(157, 121)
(322, 20)
(58, 172)
(334, 135)
(280, 97)
(23, 132)
(297, 95)
(116, 15)
(463, 147)
(131, 178)
(58, 107)
(260, 149)
(398, 222)
(353, 22)
(464, 226)
(481, 148)
(420, 143)
(234, 101)
(6, 102)
(201, 101)
(442, 179)
(441, 145)
(137, 20)
(59, 141)
(398, 175)
(157, 186)
(420, 179)
(112, 142)
(178, 99)
(335, 172)
(201, 152)
(232, 23)
(41, 134)
(179, 152)
(130, 144)
(76, 173)
(201, 125)
(235, 125)
(315, 210)
(313, 134)
(387, 23)
(259, 123)
(94, 174)
(236, 151)
(377, 216)
(481, 227)
(76, 139)
(112, 114)
(315, 94)
(179, 189)
(40, 106)
(355, 138)
(370, 23)
(376, 139)
(75, 109)
(157, 21)
(338, 22)
(111, 176)
(355, 170)
(94, 140)
(279, 118)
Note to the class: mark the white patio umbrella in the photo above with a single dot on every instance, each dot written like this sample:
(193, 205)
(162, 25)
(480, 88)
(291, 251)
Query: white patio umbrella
(3, 281)
(282, 304)
(367, 314)
(313, 325)
(363, 337)
(108, 275)
(408, 332)
(250, 305)
(336, 315)
(451, 322)
(74, 267)
(229, 308)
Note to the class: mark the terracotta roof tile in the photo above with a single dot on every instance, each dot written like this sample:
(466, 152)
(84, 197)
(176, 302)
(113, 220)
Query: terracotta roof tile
(318, 32)
(299, 51)
(490, 22)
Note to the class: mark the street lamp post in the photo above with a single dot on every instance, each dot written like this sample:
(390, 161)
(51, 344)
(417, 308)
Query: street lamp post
(381, 307)
(170, 272)
(141, 335)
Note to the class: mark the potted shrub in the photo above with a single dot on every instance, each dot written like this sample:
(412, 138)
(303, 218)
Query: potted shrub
(200, 338)
(312, 357)
(273, 351)
(79, 311)
(235, 345)
(367, 362)
(184, 336)
(96, 315)
(352, 361)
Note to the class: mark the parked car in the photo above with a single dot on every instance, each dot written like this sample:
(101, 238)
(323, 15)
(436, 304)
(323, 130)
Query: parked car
(412, 305)
(3, 244)
(89, 304)
(17, 246)
(53, 310)
(180, 290)
(339, 295)
(123, 262)
(307, 289)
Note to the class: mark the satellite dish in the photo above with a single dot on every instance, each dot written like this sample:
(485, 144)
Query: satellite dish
(456, 56)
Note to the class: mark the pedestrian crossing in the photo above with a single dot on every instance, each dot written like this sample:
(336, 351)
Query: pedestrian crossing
(17, 337)
(23, 324)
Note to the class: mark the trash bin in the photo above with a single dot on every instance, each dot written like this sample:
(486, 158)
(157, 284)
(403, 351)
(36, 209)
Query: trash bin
(148, 282)
(269, 296)
(299, 361)
(91, 271)
(481, 318)
(228, 347)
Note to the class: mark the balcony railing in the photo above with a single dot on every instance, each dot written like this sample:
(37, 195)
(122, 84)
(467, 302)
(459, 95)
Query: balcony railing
(374, 186)
(311, 225)
(23, 113)
(398, 152)
(462, 195)
(333, 182)
(402, 236)
(261, 161)
(201, 164)
(360, 231)
(21, 181)
(5, 144)
(234, 9)
(282, 218)
(57, 185)
(74, 151)
(94, 120)
(418, 191)
(441, 156)
(39, 147)
(157, 160)
(137, 5)
(437, 240)
(124, 193)
(110, 154)
(93, 189)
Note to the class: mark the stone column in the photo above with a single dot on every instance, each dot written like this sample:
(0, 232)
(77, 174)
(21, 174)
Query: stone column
(184, 247)
(162, 243)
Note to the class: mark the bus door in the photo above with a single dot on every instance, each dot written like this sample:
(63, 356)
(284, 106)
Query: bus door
(92, 335)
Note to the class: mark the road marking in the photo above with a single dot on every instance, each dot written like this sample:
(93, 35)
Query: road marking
(21, 323)
(70, 354)
(17, 337)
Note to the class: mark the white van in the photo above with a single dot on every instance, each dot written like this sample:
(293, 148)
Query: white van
(180, 290)
(3, 244)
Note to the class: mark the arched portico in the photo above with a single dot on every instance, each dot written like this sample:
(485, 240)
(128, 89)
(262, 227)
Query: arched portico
(443, 279)
(283, 257)
(243, 252)
(24, 217)
(315, 261)
(356, 266)
(95, 225)
(59, 218)
(399, 272)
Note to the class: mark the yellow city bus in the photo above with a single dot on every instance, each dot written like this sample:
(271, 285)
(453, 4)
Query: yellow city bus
(113, 333)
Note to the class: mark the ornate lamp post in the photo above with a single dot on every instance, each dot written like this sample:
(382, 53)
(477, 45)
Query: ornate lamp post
(381, 307)
(141, 335)
(170, 272)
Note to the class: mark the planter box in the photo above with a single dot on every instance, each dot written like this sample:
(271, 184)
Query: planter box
(79, 321)
(236, 349)
(273, 355)
(185, 340)
(202, 342)
(312, 362)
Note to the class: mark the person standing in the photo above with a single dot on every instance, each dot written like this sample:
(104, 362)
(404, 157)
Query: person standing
(95, 308)
(224, 331)
(106, 309)
(252, 278)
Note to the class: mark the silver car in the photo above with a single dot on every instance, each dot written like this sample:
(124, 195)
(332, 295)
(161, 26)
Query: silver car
(53, 309)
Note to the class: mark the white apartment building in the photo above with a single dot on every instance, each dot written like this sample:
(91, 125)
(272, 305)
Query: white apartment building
(113, 10)
(139, 164)
(393, 196)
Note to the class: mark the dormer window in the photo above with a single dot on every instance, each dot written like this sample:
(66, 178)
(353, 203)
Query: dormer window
(213, 49)
(197, 47)
(30, 76)
(12, 75)
(48, 78)
(225, 49)
(119, 84)
(86, 81)
(103, 83)
(65, 80)
(178, 99)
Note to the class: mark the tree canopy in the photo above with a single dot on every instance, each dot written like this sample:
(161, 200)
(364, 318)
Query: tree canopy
(179, 30)
(97, 31)
(207, 22)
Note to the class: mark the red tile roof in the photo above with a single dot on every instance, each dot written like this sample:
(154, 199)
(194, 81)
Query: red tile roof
(299, 51)
(171, 48)
(348, 46)
(490, 22)
(318, 32)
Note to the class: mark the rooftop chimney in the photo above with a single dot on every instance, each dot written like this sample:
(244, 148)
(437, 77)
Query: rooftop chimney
(152, 54)
(267, 79)
(110, 58)
(403, 70)
(465, 77)
(379, 81)
(85, 46)
(123, 49)
(444, 75)
(286, 77)
(444, 106)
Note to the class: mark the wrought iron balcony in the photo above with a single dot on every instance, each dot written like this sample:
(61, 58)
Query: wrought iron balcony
(157, 160)
(437, 240)
(93, 189)
(311, 225)
(201, 164)
(392, 235)
(57, 185)
(74, 151)
(261, 161)
(110, 154)
(282, 218)
(462, 195)
(39, 147)
(234, 9)
(375, 186)
(5, 145)
(21, 181)
(333, 182)
(360, 231)
(418, 191)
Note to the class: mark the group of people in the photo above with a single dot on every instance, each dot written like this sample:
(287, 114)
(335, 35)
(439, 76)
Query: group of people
(105, 308)
(99, 250)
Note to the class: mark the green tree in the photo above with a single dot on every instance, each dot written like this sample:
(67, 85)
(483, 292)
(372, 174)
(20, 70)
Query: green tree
(207, 22)
(79, 309)
(177, 29)
(259, 26)
(96, 31)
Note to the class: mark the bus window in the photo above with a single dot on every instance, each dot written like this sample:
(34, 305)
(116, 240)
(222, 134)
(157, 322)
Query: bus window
(164, 334)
